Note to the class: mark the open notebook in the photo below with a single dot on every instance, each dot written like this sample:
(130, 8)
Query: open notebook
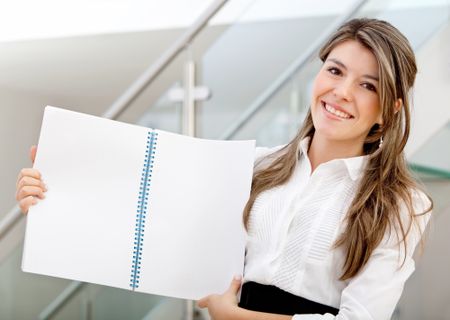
(138, 208)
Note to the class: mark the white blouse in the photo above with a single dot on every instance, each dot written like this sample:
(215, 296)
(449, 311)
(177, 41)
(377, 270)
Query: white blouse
(292, 229)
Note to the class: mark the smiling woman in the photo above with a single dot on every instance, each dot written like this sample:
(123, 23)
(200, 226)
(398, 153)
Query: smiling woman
(334, 216)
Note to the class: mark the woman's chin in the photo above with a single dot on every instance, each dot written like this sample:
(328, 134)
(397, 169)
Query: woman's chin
(328, 132)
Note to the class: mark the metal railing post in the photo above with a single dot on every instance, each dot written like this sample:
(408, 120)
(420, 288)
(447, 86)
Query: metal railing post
(189, 104)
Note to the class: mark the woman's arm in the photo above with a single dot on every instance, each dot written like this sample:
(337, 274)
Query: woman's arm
(375, 291)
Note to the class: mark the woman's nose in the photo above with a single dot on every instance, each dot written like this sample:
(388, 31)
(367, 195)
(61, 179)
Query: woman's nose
(344, 90)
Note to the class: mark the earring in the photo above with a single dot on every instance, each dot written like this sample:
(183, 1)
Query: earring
(381, 142)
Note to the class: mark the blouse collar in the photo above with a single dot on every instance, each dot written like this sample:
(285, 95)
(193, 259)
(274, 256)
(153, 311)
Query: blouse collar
(355, 165)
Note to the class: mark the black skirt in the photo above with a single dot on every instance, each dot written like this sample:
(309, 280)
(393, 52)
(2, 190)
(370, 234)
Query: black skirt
(270, 299)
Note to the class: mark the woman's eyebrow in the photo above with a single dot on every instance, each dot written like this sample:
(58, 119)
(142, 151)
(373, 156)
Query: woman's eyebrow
(339, 63)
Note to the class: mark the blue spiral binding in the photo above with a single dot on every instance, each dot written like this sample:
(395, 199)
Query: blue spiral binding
(146, 178)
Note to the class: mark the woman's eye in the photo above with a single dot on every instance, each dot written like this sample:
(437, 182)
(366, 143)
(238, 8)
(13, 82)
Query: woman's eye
(369, 86)
(334, 70)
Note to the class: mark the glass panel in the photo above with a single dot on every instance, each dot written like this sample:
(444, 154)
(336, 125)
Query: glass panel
(433, 158)
(25, 295)
(432, 165)
(101, 302)
(405, 15)
(286, 110)
(165, 113)
(153, 108)
(111, 303)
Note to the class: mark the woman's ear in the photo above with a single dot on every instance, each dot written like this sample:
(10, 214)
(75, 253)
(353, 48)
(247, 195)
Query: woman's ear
(398, 105)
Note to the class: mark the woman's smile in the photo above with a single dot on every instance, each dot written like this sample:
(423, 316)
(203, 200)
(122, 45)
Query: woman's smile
(335, 112)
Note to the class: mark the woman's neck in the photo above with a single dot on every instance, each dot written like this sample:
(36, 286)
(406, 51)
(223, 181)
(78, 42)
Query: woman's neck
(322, 150)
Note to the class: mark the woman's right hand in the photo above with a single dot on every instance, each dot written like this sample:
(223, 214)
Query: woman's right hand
(29, 186)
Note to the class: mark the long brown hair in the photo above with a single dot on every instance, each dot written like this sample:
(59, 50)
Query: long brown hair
(387, 184)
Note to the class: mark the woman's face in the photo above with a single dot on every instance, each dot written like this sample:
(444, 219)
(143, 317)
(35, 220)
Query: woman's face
(345, 102)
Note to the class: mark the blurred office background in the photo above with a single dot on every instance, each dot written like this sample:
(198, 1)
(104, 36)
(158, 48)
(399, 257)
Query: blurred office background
(237, 69)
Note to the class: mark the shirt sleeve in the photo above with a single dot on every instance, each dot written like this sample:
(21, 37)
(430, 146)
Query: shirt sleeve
(375, 291)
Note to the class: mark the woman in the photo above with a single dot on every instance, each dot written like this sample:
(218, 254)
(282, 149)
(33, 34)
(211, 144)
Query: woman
(334, 216)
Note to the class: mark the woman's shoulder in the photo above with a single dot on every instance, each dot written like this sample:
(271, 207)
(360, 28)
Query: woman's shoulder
(416, 217)
(410, 224)
(421, 202)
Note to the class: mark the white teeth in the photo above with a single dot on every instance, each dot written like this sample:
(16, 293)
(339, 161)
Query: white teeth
(338, 113)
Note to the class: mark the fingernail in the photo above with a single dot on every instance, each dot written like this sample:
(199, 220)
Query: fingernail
(238, 277)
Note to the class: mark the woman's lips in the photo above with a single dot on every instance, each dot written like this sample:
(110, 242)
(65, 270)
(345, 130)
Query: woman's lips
(336, 112)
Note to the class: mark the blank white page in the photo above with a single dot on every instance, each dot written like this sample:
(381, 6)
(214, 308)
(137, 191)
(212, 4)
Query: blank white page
(82, 230)
(194, 239)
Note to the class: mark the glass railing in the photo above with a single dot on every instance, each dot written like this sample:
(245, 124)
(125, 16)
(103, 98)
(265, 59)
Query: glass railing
(166, 112)
(24, 295)
(431, 162)
(432, 159)
(111, 303)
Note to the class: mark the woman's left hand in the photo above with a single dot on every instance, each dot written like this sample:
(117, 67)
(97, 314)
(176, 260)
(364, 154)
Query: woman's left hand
(223, 306)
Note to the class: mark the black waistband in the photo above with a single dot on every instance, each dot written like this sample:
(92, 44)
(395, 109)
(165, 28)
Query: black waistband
(265, 298)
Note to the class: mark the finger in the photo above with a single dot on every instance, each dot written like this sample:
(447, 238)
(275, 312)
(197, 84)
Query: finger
(235, 284)
(26, 203)
(203, 303)
(30, 181)
(33, 151)
(30, 191)
(28, 172)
